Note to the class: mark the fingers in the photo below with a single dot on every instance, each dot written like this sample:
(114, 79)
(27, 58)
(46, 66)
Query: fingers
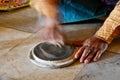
(56, 36)
(100, 52)
(91, 50)
(52, 35)
(58, 40)
(79, 53)
(98, 55)
(85, 54)
(61, 40)
(90, 57)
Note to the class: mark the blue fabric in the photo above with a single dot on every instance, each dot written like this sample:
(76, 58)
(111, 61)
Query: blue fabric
(80, 10)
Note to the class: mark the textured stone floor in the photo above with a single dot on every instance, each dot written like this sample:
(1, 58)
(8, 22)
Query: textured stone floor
(18, 34)
(106, 69)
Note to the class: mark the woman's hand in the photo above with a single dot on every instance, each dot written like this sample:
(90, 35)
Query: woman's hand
(52, 31)
(91, 50)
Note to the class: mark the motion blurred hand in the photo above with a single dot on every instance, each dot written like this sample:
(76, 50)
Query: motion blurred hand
(91, 50)
(52, 31)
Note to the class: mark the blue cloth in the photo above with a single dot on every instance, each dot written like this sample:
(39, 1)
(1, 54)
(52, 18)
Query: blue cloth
(80, 10)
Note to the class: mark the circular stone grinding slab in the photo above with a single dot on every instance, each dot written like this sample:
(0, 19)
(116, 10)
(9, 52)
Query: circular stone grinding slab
(49, 55)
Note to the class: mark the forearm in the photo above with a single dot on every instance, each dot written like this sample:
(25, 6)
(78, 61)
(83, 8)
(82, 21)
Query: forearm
(46, 7)
(111, 27)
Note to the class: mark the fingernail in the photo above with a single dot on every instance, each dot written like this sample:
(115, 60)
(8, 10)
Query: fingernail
(95, 60)
(86, 61)
(76, 56)
(81, 61)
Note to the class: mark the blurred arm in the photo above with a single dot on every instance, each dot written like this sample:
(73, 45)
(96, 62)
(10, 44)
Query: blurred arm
(46, 7)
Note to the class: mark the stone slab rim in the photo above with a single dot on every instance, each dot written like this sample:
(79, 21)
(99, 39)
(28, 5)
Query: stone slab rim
(51, 64)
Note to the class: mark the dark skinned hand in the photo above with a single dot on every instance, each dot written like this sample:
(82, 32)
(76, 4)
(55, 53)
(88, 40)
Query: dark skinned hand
(91, 50)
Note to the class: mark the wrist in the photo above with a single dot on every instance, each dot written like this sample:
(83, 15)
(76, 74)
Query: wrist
(51, 22)
(102, 39)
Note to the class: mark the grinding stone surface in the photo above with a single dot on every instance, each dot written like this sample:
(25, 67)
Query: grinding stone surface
(49, 55)
(48, 51)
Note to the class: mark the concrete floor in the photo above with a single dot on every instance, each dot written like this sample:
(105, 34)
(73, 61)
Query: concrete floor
(18, 34)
